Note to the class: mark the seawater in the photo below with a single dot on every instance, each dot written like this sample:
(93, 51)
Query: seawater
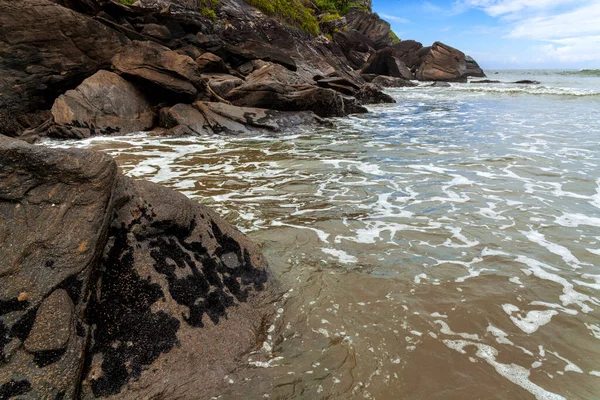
(444, 247)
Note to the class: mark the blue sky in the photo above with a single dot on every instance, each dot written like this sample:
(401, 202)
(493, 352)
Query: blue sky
(504, 33)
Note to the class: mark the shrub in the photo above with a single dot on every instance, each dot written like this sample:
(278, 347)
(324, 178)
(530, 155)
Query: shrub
(291, 11)
(395, 39)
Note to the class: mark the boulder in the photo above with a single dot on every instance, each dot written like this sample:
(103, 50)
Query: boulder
(384, 62)
(124, 289)
(321, 101)
(486, 81)
(157, 31)
(527, 82)
(370, 25)
(371, 94)
(473, 68)
(269, 72)
(151, 64)
(440, 84)
(388, 81)
(338, 84)
(46, 49)
(180, 299)
(46, 272)
(210, 63)
(445, 63)
(222, 83)
(357, 47)
(224, 119)
(409, 52)
(104, 103)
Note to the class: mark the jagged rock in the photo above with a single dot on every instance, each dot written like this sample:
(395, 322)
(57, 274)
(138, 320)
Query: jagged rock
(210, 63)
(527, 82)
(175, 74)
(444, 63)
(384, 62)
(353, 106)
(388, 81)
(409, 52)
(323, 102)
(104, 103)
(221, 84)
(370, 25)
(220, 118)
(370, 94)
(157, 31)
(473, 68)
(485, 81)
(46, 49)
(270, 72)
(338, 84)
(357, 47)
(333, 25)
(176, 297)
(66, 195)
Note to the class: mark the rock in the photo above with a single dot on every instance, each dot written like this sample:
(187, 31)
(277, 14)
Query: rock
(473, 68)
(157, 31)
(527, 82)
(182, 296)
(323, 102)
(440, 84)
(276, 73)
(221, 118)
(333, 25)
(176, 297)
(384, 62)
(353, 106)
(409, 52)
(370, 94)
(53, 324)
(357, 47)
(184, 115)
(370, 25)
(221, 84)
(267, 52)
(210, 63)
(445, 63)
(341, 85)
(388, 81)
(46, 272)
(177, 75)
(485, 81)
(104, 103)
(46, 49)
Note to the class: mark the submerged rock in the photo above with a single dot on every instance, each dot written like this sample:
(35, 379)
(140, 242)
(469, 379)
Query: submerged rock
(388, 81)
(167, 294)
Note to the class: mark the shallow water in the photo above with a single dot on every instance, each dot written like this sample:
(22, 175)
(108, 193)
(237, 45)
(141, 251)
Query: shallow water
(446, 247)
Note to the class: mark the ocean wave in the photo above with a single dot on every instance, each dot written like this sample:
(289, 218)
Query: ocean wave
(583, 72)
(526, 89)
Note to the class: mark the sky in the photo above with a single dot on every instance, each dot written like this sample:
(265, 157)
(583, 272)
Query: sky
(504, 34)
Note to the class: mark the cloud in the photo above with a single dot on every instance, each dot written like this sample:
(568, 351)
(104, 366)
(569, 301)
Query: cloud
(429, 7)
(496, 8)
(394, 18)
(579, 49)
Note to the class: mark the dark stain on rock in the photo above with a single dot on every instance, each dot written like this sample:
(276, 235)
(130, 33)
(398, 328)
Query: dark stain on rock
(60, 395)
(14, 388)
(23, 326)
(8, 306)
(4, 340)
(49, 264)
(73, 286)
(128, 334)
(44, 358)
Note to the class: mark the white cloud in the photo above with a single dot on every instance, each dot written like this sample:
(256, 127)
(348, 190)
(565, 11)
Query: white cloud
(496, 8)
(394, 18)
(429, 7)
(579, 49)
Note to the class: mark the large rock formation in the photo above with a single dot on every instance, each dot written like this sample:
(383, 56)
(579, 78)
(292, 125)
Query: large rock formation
(46, 49)
(384, 62)
(104, 103)
(114, 287)
(370, 25)
(445, 63)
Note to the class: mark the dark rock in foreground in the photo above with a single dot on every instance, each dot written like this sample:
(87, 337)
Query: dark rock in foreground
(127, 285)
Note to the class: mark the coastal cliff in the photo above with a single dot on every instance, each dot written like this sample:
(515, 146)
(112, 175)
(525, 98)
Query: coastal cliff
(77, 68)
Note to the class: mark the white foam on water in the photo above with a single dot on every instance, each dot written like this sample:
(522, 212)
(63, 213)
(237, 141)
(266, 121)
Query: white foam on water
(341, 255)
(572, 220)
(563, 252)
(595, 373)
(594, 328)
(420, 277)
(499, 335)
(445, 329)
(570, 367)
(321, 234)
(516, 280)
(456, 233)
(532, 321)
(570, 295)
(513, 372)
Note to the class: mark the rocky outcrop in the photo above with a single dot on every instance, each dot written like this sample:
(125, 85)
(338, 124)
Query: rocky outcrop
(277, 96)
(103, 104)
(205, 118)
(370, 25)
(410, 52)
(473, 68)
(46, 49)
(384, 62)
(370, 94)
(124, 289)
(445, 63)
(357, 47)
(387, 81)
(175, 75)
